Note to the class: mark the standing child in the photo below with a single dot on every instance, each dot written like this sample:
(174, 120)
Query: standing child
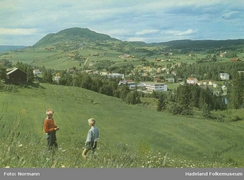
(50, 129)
(92, 137)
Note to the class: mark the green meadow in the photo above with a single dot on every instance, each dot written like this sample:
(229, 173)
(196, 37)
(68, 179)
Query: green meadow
(131, 135)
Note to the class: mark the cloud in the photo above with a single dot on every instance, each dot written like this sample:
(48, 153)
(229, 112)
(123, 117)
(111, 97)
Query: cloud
(232, 15)
(181, 33)
(136, 39)
(147, 31)
(17, 31)
(151, 21)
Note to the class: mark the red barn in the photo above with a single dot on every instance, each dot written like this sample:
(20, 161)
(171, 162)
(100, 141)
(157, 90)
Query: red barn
(16, 76)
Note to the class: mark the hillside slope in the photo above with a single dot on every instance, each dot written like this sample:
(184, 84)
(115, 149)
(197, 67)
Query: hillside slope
(142, 129)
(73, 34)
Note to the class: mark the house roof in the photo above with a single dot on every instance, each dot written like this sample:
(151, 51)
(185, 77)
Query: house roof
(13, 70)
(191, 78)
(235, 59)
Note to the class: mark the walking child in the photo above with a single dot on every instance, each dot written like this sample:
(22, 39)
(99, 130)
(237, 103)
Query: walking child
(92, 137)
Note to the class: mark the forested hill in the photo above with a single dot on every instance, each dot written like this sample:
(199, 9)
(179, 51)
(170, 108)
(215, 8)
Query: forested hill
(73, 34)
(202, 44)
(85, 35)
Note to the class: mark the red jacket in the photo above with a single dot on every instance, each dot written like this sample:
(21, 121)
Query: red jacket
(49, 125)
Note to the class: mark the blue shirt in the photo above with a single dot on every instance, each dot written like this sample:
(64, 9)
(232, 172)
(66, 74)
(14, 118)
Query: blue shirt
(93, 134)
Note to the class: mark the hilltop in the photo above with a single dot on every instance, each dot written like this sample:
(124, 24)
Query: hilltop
(76, 34)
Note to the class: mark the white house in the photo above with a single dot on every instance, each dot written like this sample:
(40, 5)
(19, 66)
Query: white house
(224, 76)
(155, 87)
(103, 73)
(115, 75)
(199, 83)
(36, 71)
(191, 80)
(210, 83)
(56, 78)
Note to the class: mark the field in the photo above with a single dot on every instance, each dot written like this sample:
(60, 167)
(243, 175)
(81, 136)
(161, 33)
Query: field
(60, 59)
(131, 135)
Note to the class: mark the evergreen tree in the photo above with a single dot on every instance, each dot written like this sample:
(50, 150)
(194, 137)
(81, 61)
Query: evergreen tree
(105, 89)
(206, 111)
(47, 76)
(96, 84)
(124, 91)
(237, 91)
(161, 105)
(183, 98)
(130, 98)
(30, 75)
(86, 81)
(2, 73)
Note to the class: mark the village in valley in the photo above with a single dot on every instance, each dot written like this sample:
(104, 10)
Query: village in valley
(107, 66)
(155, 83)
(156, 79)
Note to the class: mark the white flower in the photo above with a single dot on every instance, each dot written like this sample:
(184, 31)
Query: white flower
(20, 145)
(7, 167)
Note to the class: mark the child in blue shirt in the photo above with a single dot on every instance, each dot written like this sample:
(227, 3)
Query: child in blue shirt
(92, 137)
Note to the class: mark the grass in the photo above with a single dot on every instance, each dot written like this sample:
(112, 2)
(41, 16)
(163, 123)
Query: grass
(145, 132)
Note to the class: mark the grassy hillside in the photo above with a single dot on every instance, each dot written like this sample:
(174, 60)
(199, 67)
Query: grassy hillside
(131, 136)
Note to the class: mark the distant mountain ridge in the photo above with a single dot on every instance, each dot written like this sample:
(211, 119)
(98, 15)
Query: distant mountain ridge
(12, 47)
(201, 44)
(86, 35)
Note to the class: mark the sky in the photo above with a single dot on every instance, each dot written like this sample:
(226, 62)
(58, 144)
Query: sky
(25, 22)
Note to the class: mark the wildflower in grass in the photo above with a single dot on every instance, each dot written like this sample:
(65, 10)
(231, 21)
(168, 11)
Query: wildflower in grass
(7, 166)
(20, 145)
(23, 111)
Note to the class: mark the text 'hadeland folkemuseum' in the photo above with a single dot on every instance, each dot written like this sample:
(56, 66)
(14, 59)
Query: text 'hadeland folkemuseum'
(214, 174)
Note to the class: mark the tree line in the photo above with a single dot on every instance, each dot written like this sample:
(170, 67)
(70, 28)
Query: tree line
(97, 83)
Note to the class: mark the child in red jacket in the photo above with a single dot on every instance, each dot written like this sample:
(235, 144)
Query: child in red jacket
(50, 129)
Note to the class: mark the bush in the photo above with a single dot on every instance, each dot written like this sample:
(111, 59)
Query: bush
(8, 87)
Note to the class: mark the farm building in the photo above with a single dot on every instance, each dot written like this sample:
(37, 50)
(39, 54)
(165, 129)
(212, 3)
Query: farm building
(155, 87)
(191, 80)
(36, 71)
(16, 76)
(115, 75)
(224, 76)
(235, 59)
